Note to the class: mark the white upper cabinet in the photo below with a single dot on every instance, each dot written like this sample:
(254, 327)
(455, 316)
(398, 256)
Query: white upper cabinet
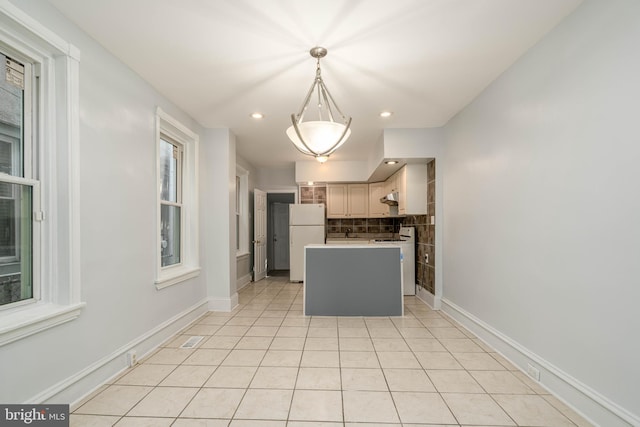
(391, 184)
(376, 191)
(347, 200)
(358, 200)
(363, 200)
(336, 200)
(411, 184)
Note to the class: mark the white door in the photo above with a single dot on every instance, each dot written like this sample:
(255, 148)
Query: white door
(259, 235)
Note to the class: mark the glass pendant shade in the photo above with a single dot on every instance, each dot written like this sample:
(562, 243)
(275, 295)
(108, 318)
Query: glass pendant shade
(320, 137)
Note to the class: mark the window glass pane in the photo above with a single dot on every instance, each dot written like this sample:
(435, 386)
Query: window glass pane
(237, 194)
(169, 157)
(170, 234)
(11, 116)
(15, 243)
(237, 213)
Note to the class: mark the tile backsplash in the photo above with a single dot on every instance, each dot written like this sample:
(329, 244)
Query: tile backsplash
(363, 227)
(313, 194)
(425, 235)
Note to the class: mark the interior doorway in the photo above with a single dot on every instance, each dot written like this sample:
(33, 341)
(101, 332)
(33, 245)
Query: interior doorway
(278, 232)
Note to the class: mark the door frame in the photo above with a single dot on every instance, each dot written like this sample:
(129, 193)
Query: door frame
(259, 235)
(272, 218)
(293, 191)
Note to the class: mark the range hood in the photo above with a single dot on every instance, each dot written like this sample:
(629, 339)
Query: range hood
(390, 199)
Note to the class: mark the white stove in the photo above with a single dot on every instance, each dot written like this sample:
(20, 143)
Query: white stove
(407, 242)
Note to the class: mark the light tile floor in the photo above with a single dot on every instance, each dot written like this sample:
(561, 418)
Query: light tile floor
(266, 365)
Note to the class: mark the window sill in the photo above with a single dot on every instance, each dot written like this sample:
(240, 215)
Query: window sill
(35, 318)
(175, 276)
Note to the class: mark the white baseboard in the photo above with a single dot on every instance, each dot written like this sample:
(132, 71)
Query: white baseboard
(76, 387)
(243, 281)
(428, 298)
(223, 304)
(587, 402)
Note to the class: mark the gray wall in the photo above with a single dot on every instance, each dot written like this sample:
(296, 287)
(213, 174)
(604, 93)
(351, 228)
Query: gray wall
(541, 202)
(118, 232)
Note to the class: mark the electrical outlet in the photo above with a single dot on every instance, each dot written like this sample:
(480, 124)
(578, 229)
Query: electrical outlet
(132, 358)
(533, 372)
(433, 220)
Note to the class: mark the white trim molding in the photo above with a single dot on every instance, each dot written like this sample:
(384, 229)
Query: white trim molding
(243, 281)
(243, 260)
(74, 388)
(587, 402)
(242, 211)
(224, 304)
(57, 266)
(189, 266)
(428, 298)
(35, 319)
(179, 275)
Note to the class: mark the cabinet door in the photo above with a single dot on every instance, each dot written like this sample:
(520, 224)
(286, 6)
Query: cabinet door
(336, 201)
(391, 184)
(376, 191)
(358, 200)
(401, 188)
(416, 189)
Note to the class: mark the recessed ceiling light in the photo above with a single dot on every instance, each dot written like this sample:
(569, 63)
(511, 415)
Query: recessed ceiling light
(257, 115)
(390, 162)
(386, 114)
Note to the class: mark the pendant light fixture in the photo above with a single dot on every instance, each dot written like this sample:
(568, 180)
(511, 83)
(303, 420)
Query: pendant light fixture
(328, 128)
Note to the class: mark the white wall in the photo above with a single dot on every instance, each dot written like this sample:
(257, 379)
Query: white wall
(332, 171)
(118, 229)
(244, 263)
(413, 143)
(276, 179)
(541, 208)
(218, 201)
(409, 143)
(375, 156)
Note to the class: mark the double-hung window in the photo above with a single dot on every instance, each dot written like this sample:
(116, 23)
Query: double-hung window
(177, 166)
(242, 211)
(238, 217)
(18, 188)
(170, 201)
(40, 275)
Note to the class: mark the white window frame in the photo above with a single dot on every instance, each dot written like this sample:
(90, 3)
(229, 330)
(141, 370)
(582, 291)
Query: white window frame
(189, 265)
(26, 151)
(179, 147)
(55, 178)
(242, 211)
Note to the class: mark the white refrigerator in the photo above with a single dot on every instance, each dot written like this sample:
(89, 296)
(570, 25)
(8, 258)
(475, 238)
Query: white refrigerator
(306, 226)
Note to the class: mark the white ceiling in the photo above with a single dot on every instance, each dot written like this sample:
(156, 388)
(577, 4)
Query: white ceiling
(221, 60)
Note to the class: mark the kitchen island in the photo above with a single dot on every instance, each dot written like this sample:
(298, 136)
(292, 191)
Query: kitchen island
(353, 280)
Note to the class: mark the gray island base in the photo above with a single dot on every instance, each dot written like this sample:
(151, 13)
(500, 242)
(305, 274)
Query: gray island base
(353, 280)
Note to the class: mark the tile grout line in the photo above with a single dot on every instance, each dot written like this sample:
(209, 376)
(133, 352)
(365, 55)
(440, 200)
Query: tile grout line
(258, 303)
